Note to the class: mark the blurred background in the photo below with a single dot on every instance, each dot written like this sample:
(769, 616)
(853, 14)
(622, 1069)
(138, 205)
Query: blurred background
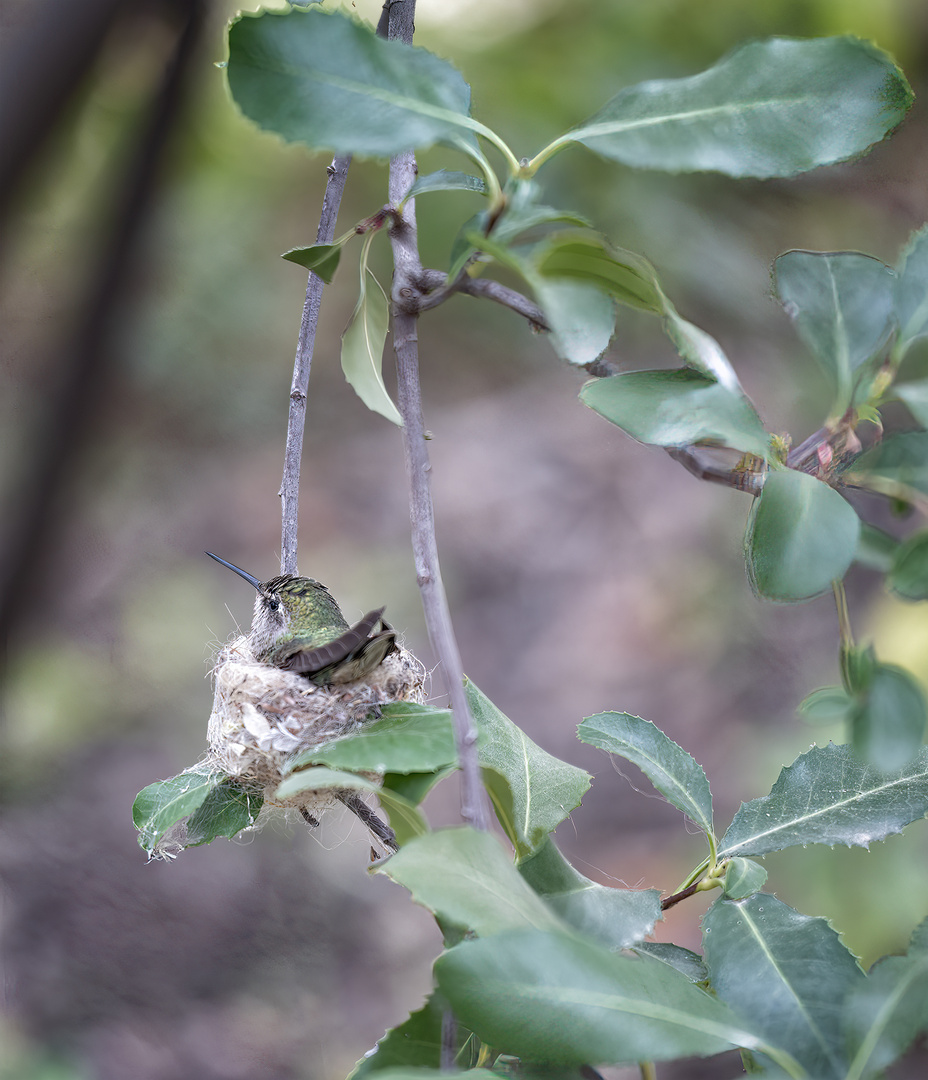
(149, 332)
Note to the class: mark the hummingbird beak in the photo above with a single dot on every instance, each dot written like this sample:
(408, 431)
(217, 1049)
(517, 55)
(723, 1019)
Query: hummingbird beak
(250, 578)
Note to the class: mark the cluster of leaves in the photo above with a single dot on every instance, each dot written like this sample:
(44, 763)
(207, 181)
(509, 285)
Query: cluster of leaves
(542, 966)
(545, 966)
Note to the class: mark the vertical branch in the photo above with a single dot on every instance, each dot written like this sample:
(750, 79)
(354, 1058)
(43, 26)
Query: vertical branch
(406, 293)
(289, 492)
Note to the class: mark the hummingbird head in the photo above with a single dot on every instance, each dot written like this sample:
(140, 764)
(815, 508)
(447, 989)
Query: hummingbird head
(289, 610)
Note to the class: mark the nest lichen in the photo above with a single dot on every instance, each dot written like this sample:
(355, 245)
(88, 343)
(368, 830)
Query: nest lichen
(264, 716)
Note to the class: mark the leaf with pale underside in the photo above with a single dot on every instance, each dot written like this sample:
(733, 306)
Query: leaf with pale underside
(406, 820)
(912, 290)
(465, 878)
(915, 397)
(897, 465)
(362, 349)
(785, 975)
(615, 917)
(829, 796)
(675, 774)
(541, 789)
(328, 81)
(446, 180)
(770, 108)
(563, 1000)
(842, 306)
(676, 409)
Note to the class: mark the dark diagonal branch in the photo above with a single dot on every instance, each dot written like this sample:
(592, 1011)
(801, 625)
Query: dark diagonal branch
(438, 291)
(296, 419)
(407, 293)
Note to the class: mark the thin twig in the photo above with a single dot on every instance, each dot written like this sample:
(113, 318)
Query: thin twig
(438, 291)
(296, 420)
(406, 294)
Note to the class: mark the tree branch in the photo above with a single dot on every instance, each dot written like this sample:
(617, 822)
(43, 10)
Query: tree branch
(296, 419)
(407, 293)
(435, 283)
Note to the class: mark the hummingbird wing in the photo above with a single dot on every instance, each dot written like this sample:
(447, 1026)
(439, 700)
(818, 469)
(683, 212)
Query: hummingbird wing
(351, 655)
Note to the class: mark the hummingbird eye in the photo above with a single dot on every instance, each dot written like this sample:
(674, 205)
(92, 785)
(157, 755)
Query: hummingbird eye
(273, 603)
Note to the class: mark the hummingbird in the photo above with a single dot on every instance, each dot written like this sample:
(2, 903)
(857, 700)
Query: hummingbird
(298, 626)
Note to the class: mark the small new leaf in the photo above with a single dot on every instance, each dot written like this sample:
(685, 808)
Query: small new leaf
(322, 259)
(362, 349)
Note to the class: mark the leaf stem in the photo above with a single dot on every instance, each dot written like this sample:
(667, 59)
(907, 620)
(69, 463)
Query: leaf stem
(289, 492)
(406, 293)
(531, 167)
(844, 618)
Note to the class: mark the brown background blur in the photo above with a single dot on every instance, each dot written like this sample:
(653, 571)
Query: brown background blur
(148, 336)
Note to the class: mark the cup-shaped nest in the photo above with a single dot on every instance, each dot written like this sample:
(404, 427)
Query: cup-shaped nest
(263, 716)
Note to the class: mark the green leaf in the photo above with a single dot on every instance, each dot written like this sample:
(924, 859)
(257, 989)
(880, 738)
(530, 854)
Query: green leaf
(417, 1073)
(827, 705)
(875, 548)
(465, 878)
(413, 787)
(415, 1042)
(586, 256)
(703, 353)
(801, 536)
(888, 719)
(669, 768)
(770, 108)
(446, 180)
(885, 1014)
(325, 80)
(908, 575)
(409, 738)
(829, 796)
(677, 408)
(842, 305)
(743, 877)
(565, 1001)
(322, 259)
(615, 917)
(685, 961)
(915, 396)
(785, 975)
(362, 349)
(405, 820)
(165, 803)
(543, 789)
(581, 318)
(900, 459)
(912, 290)
(225, 811)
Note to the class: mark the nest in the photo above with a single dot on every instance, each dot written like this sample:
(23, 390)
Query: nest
(263, 716)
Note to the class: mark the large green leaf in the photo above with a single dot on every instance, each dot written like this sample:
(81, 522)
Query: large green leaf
(676, 775)
(785, 975)
(408, 738)
(887, 1012)
(888, 718)
(912, 290)
(542, 789)
(581, 318)
(770, 108)
(615, 917)
(908, 575)
(586, 256)
(915, 396)
(196, 806)
(328, 81)
(801, 536)
(362, 348)
(678, 408)
(565, 1001)
(829, 796)
(465, 878)
(842, 305)
(414, 1043)
(901, 460)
